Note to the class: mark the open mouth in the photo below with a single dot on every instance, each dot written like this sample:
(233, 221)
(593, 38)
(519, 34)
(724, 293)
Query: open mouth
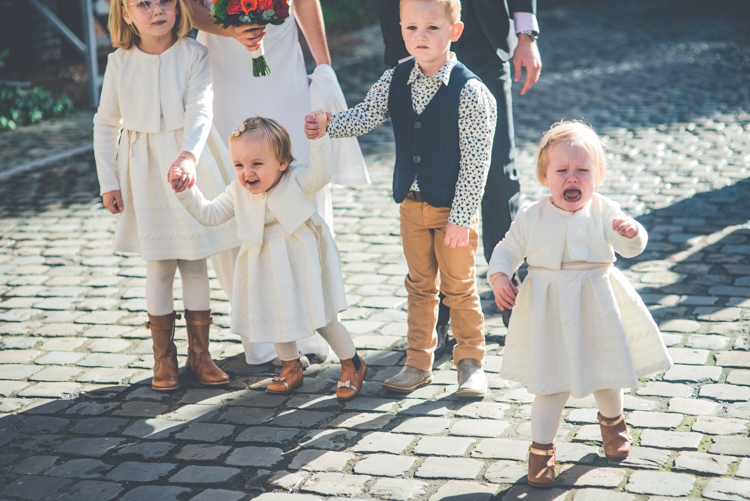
(252, 182)
(572, 195)
(159, 23)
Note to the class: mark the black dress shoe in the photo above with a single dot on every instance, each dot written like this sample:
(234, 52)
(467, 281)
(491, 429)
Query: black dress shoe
(442, 339)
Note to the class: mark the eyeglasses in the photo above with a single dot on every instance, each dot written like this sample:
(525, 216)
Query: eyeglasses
(146, 7)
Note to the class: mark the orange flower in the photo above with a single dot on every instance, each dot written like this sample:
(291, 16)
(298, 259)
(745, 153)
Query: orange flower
(249, 5)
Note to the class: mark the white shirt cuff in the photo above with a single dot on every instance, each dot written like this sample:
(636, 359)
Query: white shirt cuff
(525, 21)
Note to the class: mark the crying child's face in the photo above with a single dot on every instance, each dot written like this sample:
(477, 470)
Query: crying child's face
(572, 176)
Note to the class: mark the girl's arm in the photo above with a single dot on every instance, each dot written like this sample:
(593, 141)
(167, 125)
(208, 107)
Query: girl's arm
(510, 252)
(107, 128)
(314, 178)
(208, 213)
(622, 244)
(198, 105)
(310, 19)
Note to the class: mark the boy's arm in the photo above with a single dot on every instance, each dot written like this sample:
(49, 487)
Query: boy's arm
(208, 213)
(477, 117)
(367, 115)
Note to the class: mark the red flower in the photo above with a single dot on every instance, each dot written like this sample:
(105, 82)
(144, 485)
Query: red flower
(265, 5)
(281, 7)
(234, 7)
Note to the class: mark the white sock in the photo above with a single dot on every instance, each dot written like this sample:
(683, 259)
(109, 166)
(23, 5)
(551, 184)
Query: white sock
(195, 290)
(610, 402)
(159, 283)
(287, 351)
(545, 416)
(339, 338)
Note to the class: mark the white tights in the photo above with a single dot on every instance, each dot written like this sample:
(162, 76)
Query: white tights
(547, 411)
(160, 280)
(335, 335)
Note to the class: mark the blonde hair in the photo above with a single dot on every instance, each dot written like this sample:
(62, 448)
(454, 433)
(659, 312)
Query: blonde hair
(452, 8)
(270, 130)
(124, 35)
(571, 132)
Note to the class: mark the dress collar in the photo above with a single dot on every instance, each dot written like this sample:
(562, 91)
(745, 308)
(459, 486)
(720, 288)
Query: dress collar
(443, 74)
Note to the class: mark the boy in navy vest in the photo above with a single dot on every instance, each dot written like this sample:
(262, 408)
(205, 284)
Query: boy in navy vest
(444, 123)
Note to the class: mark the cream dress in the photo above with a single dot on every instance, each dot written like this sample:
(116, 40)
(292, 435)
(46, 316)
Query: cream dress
(578, 325)
(287, 278)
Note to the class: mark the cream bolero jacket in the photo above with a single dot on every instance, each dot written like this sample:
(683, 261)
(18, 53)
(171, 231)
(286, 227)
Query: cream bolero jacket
(290, 201)
(140, 90)
(547, 236)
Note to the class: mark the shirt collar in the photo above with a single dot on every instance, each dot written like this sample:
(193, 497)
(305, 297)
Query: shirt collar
(443, 74)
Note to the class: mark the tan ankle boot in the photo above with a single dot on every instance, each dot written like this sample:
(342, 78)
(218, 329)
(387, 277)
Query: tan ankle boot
(165, 353)
(351, 379)
(541, 465)
(290, 378)
(199, 359)
(614, 436)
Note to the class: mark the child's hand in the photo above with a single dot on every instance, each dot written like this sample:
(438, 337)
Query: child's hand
(625, 227)
(504, 290)
(316, 123)
(112, 200)
(181, 173)
(456, 236)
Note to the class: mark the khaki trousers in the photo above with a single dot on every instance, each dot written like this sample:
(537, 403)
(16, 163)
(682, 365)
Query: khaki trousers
(433, 267)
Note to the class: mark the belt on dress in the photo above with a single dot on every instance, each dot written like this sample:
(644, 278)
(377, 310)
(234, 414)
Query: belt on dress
(415, 195)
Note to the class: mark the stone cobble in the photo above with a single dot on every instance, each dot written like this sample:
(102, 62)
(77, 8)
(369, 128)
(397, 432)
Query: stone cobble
(664, 82)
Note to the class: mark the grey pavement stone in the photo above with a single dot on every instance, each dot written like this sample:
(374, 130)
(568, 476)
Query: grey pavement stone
(727, 489)
(383, 442)
(725, 392)
(318, 460)
(33, 425)
(720, 426)
(91, 408)
(398, 489)
(659, 389)
(660, 483)
(34, 464)
(467, 491)
(336, 484)
(658, 420)
(418, 407)
(487, 410)
(56, 374)
(332, 440)
(155, 493)
(153, 429)
(740, 410)
(288, 481)
(525, 492)
(602, 495)
(250, 398)
(203, 475)
(423, 426)
(370, 404)
(17, 372)
(106, 360)
(576, 453)
(132, 471)
(103, 375)
(743, 470)
(707, 464)
(457, 468)
(267, 434)
(80, 468)
(506, 472)
(735, 446)
(644, 457)
(247, 416)
(671, 439)
(218, 495)
(141, 408)
(479, 428)
(384, 465)
(694, 406)
(498, 448)
(587, 476)
(443, 446)
(713, 342)
(259, 457)
(99, 426)
(365, 421)
(147, 450)
(693, 374)
(60, 358)
(733, 359)
(206, 432)
(93, 490)
(18, 356)
(94, 447)
(579, 416)
(297, 418)
(739, 376)
(201, 452)
(33, 487)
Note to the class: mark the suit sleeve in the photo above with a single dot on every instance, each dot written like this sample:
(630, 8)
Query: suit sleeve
(522, 6)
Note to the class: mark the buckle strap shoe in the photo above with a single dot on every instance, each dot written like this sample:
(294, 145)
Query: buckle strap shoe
(165, 352)
(291, 377)
(442, 339)
(615, 436)
(472, 382)
(351, 379)
(199, 359)
(409, 379)
(541, 465)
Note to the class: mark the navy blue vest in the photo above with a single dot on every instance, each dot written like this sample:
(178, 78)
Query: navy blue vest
(427, 144)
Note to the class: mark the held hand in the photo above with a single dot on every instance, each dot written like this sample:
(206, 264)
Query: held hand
(112, 200)
(249, 35)
(625, 227)
(527, 56)
(316, 123)
(456, 236)
(504, 290)
(181, 174)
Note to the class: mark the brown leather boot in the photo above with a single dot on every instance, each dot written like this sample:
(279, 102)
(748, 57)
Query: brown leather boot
(541, 465)
(614, 436)
(199, 359)
(290, 378)
(165, 352)
(351, 379)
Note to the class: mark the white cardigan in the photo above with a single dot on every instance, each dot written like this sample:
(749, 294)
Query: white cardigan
(548, 236)
(152, 93)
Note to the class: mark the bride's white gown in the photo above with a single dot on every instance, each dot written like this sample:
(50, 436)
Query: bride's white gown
(283, 96)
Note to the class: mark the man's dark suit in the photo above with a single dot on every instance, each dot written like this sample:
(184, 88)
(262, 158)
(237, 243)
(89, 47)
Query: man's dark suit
(485, 47)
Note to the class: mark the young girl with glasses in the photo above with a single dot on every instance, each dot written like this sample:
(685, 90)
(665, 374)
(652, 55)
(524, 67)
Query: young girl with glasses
(155, 112)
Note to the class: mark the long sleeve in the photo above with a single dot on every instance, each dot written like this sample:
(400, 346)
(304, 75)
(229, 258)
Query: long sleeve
(314, 178)
(107, 129)
(367, 115)
(624, 246)
(510, 252)
(208, 213)
(477, 119)
(199, 97)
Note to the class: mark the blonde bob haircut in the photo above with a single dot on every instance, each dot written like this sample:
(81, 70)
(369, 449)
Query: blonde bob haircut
(452, 8)
(571, 132)
(271, 131)
(124, 35)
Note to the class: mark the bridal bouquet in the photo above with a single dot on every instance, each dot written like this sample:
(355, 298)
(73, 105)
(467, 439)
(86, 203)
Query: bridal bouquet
(243, 12)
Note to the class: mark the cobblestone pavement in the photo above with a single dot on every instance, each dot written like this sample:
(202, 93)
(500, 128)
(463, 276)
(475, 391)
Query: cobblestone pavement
(671, 95)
